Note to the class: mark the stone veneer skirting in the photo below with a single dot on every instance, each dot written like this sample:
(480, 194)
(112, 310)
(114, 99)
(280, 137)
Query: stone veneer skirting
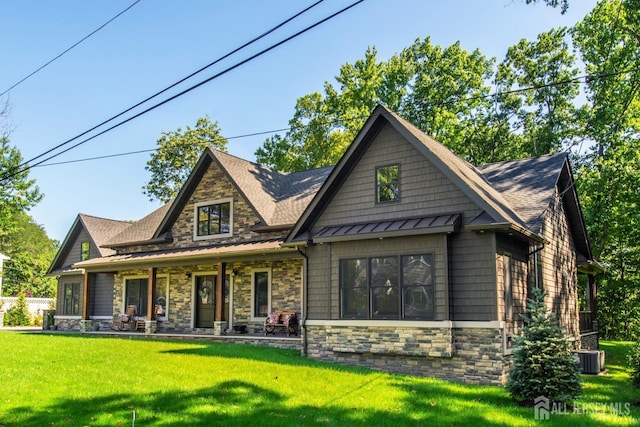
(473, 355)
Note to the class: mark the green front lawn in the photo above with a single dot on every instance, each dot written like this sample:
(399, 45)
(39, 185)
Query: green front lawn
(75, 380)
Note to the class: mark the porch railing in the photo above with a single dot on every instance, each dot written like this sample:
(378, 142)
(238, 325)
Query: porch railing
(586, 322)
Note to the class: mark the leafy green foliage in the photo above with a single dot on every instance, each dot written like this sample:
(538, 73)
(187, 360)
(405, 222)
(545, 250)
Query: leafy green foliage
(446, 93)
(543, 364)
(633, 358)
(18, 193)
(609, 172)
(31, 252)
(19, 314)
(175, 156)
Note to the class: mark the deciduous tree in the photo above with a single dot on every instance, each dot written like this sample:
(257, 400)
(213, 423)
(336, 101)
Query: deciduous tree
(176, 154)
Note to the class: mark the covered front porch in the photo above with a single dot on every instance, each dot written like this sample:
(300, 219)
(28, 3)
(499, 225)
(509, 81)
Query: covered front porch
(204, 295)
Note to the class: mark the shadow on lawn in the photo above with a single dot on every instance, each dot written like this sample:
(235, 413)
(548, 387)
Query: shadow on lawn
(234, 403)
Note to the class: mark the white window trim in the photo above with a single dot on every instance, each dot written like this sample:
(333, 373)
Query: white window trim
(253, 288)
(207, 203)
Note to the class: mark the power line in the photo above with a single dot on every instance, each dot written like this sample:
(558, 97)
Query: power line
(71, 47)
(286, 21)
(129, 153)
(567, 81)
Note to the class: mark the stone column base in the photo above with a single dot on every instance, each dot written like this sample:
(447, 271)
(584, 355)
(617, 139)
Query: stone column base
(150, 327)
(219, 327)
(85, 326)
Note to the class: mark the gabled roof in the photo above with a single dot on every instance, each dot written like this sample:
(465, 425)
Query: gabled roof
(277, 198)
(139, 231)
(99, 230)
(465, 176)
(527, 184)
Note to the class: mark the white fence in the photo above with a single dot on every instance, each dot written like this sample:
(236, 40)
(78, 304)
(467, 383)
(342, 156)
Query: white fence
(35, 305)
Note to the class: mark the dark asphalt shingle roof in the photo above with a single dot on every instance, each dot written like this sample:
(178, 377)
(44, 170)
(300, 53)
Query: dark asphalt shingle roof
(528, 185)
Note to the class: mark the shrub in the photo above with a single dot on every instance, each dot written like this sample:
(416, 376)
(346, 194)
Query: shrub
(634, 363)
(19, 314)
(543, 364)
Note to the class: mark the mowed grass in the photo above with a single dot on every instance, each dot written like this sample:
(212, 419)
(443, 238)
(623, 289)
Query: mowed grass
(75, 380)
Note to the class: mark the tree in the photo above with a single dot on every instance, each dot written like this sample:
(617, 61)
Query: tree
(539, 79)
(447, 93)
(543, 364)
(175, 156)
(324, 125)
(608, 40)
(19, 314)
(31, 252)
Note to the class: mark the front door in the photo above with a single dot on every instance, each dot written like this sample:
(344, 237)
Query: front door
(205, 301)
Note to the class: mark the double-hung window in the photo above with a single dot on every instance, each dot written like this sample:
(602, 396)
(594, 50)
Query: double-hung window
(71, 303)
(388, 287)
(213, 219)
(387, 184)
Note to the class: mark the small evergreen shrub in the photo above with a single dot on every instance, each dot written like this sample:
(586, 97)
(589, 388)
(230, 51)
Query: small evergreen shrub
(543, 363)
(19, 314)
(633, 358)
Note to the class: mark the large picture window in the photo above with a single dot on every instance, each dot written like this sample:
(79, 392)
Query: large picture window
(213, 219)
(391, 287)
(71, 304)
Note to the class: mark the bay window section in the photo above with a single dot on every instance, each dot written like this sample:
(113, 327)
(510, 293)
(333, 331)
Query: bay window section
(353, 281)
(385, 288)
(417, 286)
(390, 287)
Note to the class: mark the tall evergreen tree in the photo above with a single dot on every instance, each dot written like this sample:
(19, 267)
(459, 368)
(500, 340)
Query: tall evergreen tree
(543, 364)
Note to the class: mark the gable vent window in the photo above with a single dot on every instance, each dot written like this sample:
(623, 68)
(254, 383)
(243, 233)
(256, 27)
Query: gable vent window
(213, 219)
(387, 184)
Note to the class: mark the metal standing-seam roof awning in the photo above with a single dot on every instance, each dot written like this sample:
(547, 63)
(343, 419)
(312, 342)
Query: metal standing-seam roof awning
(433, 224)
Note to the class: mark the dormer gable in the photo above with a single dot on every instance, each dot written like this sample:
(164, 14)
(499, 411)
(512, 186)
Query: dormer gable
(85, 241)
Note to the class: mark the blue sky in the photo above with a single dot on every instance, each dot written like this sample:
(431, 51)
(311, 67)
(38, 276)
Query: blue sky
(158, 42)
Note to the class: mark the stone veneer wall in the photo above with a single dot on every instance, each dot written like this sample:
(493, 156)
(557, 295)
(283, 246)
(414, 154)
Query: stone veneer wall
(468, 355)
(286, 285)
(589, 341)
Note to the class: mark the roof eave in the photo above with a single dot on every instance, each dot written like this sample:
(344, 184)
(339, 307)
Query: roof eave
(506, 227)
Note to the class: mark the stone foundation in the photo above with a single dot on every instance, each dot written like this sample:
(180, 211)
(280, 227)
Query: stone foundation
(589, 341)
(468, 355)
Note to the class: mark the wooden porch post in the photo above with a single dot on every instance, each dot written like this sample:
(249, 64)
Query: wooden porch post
(592, 299)
(86, 297)
(151, 293)
(219, 316)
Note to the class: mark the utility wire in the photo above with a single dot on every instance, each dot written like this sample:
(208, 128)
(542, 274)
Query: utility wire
(586, 77)
(255, 39)
(72, 46)
(108, 156)
(215, 76)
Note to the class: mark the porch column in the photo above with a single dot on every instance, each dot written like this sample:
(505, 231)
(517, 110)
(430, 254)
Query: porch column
(219, 315)
(592, 300)
(151, 324)
(86, 297)
(151, 293)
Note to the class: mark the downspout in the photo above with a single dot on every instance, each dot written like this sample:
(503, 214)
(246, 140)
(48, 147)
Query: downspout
(535, 264)
(305, 299)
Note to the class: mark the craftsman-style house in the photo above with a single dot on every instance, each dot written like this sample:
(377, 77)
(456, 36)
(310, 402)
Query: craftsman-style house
(402, 257)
